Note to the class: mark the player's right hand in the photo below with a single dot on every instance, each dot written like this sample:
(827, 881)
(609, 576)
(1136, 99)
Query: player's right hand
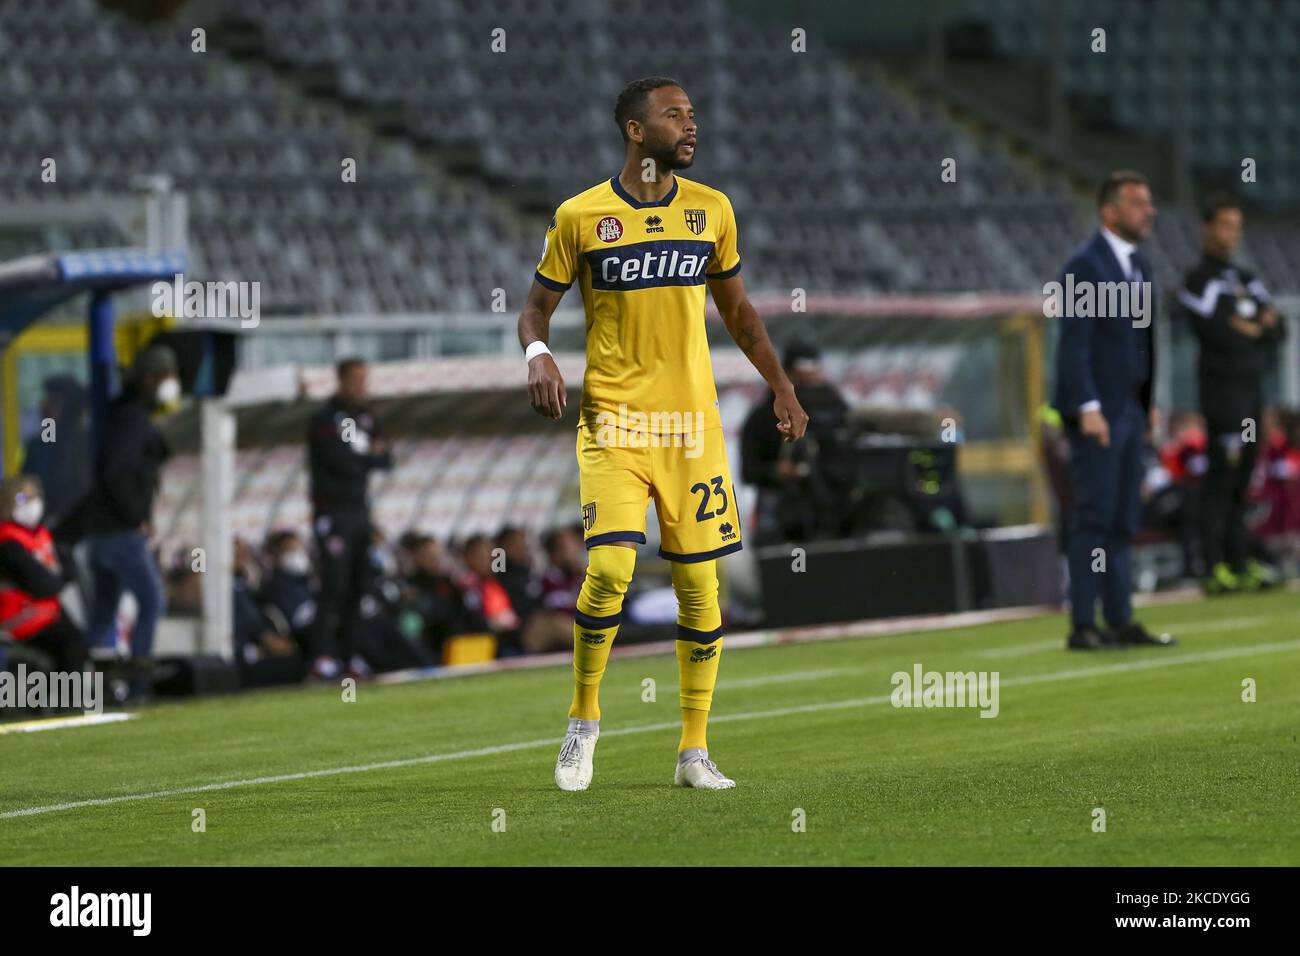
(546, 389)
(791, 419)
(1093, 424)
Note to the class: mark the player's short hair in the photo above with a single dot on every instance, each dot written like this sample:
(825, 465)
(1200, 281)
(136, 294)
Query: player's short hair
(1113, 183)
(1215, 203)
(346, 365)
(631, 103)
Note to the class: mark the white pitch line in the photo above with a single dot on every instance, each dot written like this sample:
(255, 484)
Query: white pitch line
(1118, 668)
(58, 723)
(1191, 627)
(280, 778)
(789, 677)
(1157, 660)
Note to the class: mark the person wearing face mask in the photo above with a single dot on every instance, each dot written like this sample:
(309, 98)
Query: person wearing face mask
(31, 578)
(287, 598)
(119, 513)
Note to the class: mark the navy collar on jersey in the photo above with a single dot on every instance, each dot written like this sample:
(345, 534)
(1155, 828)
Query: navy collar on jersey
(635, 203)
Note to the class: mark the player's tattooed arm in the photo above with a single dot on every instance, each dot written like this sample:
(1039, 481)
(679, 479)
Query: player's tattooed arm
(747, 338)
(546, 391)
(747, 329)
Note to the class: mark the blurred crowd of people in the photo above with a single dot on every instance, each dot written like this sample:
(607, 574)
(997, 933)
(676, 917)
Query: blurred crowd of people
(417, 596)
(336, 599)
(111, 517)
(1176, 491)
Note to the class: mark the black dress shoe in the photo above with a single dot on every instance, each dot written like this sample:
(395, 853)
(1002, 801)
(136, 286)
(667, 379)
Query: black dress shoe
(1090, 639)
(1134, 634)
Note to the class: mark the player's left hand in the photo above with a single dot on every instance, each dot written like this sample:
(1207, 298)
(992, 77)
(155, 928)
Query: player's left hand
(791, 419)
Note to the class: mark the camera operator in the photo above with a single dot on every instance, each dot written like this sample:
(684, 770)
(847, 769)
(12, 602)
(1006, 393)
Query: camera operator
(802, 486)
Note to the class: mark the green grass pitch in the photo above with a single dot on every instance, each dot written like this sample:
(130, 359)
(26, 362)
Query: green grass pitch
(1160, 739)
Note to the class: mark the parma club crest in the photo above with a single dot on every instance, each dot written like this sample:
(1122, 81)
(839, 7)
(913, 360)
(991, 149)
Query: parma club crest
(695, 220)
(588, 516)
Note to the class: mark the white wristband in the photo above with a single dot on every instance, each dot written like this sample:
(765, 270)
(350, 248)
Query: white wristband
(535, 349)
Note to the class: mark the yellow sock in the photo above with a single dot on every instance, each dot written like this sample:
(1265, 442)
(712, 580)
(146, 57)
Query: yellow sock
(694, 726)
(600, 609)
(699, 646)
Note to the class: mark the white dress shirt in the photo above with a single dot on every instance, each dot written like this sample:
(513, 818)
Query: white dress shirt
(1123, 250)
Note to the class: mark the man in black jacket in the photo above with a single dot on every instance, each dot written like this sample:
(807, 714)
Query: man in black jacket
(119, 512)
(344, 445)
(803, 487)
(1231, 313)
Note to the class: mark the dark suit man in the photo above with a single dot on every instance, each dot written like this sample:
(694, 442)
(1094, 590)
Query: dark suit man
(1105, 363)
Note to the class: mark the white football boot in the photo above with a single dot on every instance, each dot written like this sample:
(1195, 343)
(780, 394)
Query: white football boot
(573, 768)
(695, 769)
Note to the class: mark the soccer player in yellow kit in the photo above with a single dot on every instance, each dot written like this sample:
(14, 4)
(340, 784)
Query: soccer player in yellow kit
(642, 246)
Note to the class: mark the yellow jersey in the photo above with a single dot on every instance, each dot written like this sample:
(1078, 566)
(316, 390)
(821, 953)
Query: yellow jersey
(642, 268)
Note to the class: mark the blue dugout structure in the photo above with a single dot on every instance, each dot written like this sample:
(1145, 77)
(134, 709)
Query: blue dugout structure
(32, 286)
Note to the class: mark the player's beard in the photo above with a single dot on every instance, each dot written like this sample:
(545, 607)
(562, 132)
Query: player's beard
(665, 157)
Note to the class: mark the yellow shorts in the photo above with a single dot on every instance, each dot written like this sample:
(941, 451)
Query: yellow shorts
(619, 472)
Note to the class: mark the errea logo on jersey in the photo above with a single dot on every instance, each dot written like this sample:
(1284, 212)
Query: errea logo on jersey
(646, 265)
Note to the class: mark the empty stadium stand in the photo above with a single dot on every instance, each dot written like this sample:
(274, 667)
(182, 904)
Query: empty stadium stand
(462, 149)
